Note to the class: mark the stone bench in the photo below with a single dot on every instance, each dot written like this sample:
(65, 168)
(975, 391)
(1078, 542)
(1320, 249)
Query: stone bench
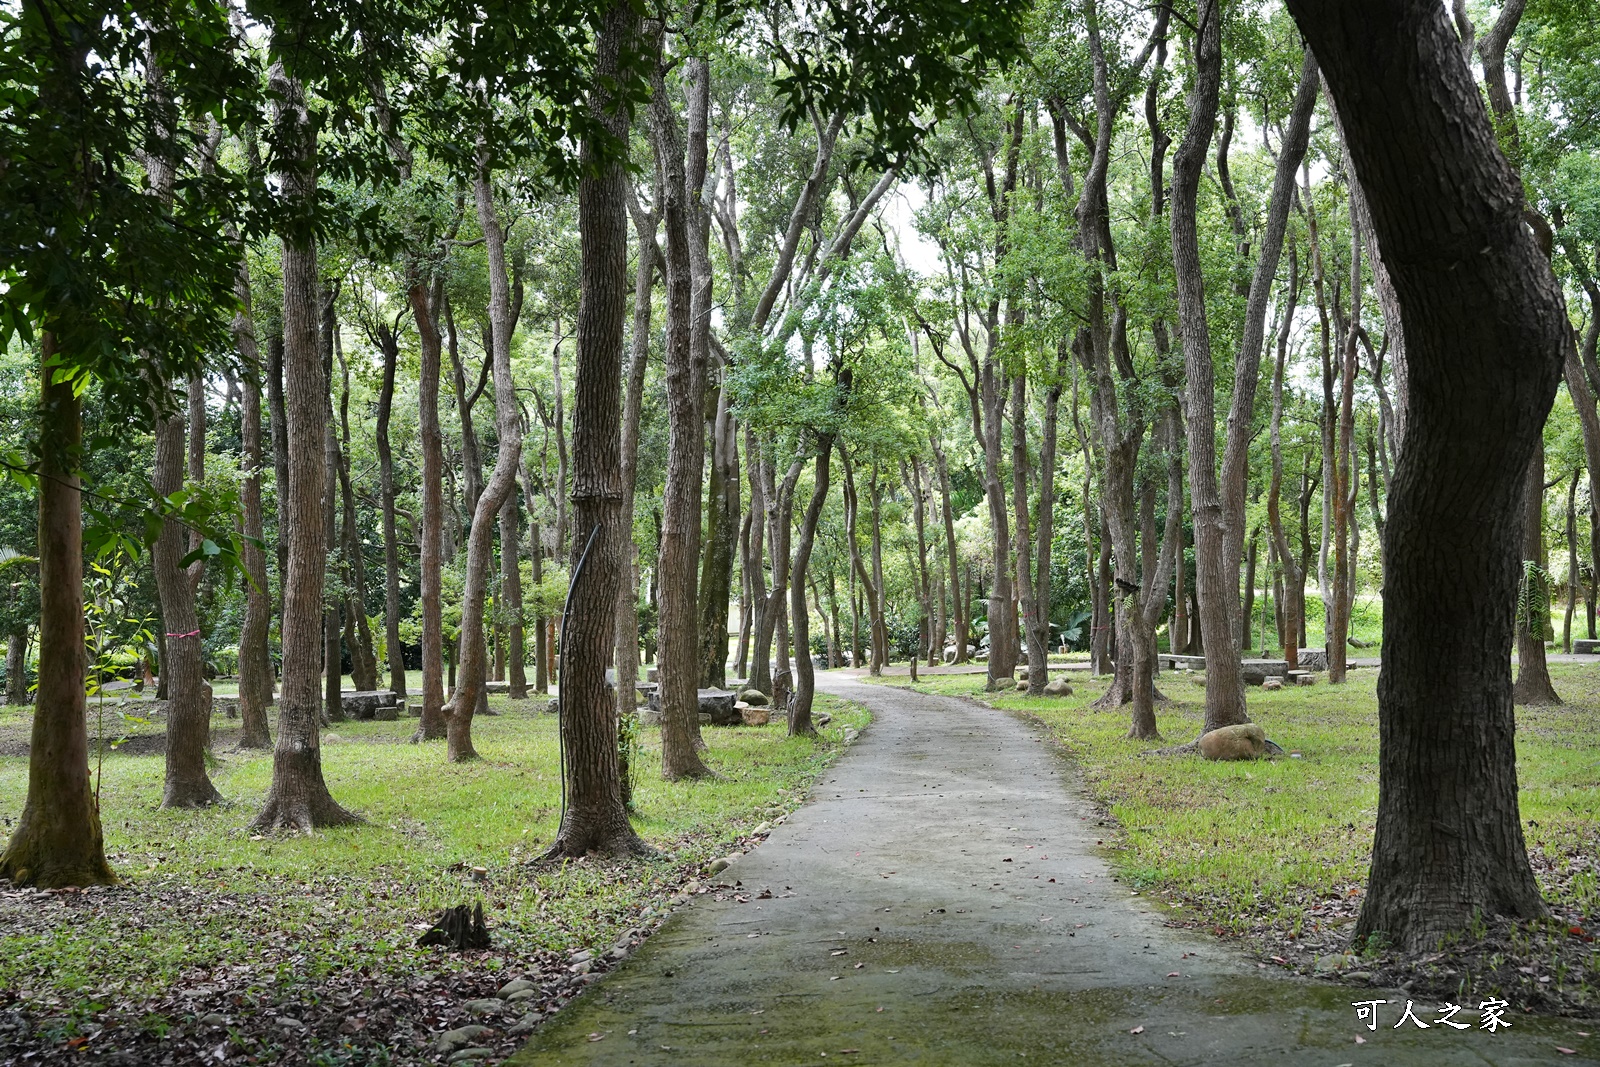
(717, 707)
(379, 704)
(1585, 647)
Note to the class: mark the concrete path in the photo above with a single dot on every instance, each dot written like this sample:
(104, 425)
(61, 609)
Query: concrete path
(940, 900)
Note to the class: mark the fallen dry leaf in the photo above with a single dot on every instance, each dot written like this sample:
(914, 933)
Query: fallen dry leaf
(1174, 974)
(1137, 1030)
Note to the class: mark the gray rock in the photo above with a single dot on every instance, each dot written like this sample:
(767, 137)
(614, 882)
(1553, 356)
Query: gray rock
(722, 864)
(520, 985)
(1333, 961)
(583, 967)
(213, 1019)
(525, 1024)
(1022, 685)
(754, 697)
(487, 1006)
(469, 1055)
(1057, 687)
(580, 956)
(1272, 681)
(460, 1037)
(821, 718)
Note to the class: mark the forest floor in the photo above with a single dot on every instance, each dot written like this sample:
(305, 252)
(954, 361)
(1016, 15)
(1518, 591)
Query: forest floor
(225, 947)
(1273, 855)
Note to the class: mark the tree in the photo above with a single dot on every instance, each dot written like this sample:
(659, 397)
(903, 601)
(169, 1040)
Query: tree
(298, 798)
(108, 282)
(1485, 335)
(594, 818)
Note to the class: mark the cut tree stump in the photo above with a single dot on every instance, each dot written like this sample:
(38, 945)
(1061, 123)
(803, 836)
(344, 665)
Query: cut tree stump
(459, 927)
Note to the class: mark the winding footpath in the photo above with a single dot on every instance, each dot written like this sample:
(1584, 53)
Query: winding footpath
(940, 900)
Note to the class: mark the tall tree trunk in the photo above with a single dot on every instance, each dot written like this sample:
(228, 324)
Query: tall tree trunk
(1292, 604)
(332, 657)
(800, 724)
(389, 345)
(1572, 563)
(255, 657)
(1219, 502)
(511, 598)
(680, 529)
(869, 587)
(627, 654)
(473, 671)
(189, 697)
(58, 841)
(760, 676)
(595, 818)
(278, 424)
(17, 667)
(363, 662)
(1030, 594)
(298, 798)
(425, 296)
(1485, 337)
(1533, 686)
(958, 607)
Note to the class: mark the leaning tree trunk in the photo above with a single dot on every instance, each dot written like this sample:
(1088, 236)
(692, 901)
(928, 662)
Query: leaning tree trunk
(958, 607)
(188, 696)
(800, 724)
(680, 525)
(1485, 334)
(497, 490)
(1533, 686)
(595, 819)
(255, 658)
(1225, 703)
(57, 841)
(299, 798)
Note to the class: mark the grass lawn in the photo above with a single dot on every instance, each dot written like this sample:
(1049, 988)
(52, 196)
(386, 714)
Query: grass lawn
(212, 921)
(1276, 852)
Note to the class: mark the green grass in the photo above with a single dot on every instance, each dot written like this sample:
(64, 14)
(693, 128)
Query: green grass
(1250, 845)
(208, 896)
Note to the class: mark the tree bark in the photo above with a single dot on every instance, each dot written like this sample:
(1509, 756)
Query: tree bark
(255, 657)
(680, 527)
(189, 697)
(958, 607)
(1485, 335)
(473, 671)
(1292, 610)
(800, 724)
(389, 345)
(1533, 686)
(511, 597)
(58, 841)
(298, 798)
(648, 259)
(595, 818)
(424, 297)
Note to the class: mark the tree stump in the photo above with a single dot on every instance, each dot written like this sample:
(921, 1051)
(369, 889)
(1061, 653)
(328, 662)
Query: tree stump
(459, 927)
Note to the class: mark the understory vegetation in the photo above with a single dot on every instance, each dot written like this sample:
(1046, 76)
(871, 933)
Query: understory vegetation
(1275, 853)
(321, 929)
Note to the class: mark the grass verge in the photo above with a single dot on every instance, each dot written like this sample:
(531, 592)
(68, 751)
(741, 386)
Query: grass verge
(227, 947)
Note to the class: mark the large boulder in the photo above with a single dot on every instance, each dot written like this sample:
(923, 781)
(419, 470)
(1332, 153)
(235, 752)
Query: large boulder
(1057, 687)
(755, 698)
(1246, 741)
